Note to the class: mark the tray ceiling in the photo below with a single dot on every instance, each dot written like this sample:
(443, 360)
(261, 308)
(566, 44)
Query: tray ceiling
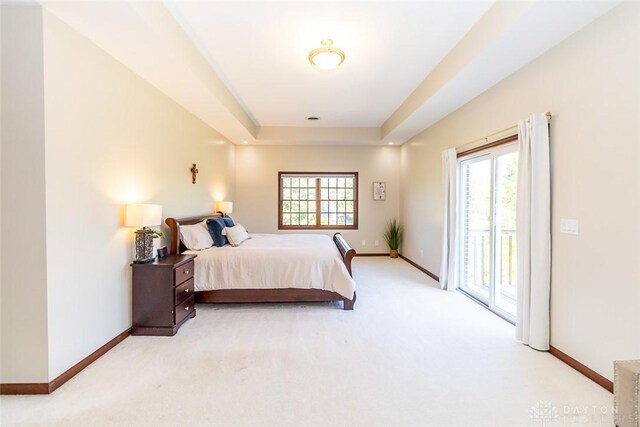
(242, 67)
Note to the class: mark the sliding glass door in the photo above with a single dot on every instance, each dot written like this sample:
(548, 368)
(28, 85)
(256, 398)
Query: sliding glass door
(487, 228)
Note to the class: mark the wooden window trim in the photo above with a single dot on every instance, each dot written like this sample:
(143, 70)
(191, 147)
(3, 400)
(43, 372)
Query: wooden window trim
(509, 139)
(281, 226)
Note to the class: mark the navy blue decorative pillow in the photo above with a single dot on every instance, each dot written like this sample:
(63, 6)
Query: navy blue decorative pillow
(216, 225)
(228, 221)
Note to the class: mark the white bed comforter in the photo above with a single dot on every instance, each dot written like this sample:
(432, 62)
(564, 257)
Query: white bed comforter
(268, 261)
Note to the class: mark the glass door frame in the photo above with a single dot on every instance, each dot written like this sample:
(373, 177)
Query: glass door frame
(490, 154)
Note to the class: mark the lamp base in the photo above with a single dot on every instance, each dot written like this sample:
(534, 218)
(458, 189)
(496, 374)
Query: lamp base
(144, 246)
(144, 261)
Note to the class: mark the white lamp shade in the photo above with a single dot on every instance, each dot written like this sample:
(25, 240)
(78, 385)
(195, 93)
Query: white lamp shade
(143, 215)
(224, 207)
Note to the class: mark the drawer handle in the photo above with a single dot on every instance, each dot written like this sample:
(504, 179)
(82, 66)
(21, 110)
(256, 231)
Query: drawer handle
(186, 290)
(186, 272)
(186, 308)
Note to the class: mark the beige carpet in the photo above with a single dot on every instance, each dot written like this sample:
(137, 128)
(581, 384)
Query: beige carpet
(408, 355)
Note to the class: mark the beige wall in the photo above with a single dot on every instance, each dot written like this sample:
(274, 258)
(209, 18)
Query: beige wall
(23, 288)
(591, 84)
(98, 137)
(111, 138)
(256, 203)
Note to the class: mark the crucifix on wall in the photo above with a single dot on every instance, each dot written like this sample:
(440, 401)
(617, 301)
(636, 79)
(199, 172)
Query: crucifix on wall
(194, 172)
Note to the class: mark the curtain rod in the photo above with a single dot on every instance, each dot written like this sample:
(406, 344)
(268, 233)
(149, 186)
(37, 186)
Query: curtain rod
(500, 132)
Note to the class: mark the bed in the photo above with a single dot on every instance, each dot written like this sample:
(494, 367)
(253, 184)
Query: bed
(271, 268)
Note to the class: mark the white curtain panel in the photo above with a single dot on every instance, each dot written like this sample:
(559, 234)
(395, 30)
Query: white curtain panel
(449, 176)
(533, 223)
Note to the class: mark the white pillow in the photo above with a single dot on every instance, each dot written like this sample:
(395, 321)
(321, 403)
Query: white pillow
(196, 237)
(235, 235)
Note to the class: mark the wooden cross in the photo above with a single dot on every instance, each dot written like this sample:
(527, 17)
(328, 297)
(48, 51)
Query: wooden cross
(194, 172)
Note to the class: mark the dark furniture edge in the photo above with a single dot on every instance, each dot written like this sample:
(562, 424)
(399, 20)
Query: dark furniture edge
(50, 387)
(346, 251)
(161, 331)
(272, 295)
(419, 267)
(169, 261)
(583, 369)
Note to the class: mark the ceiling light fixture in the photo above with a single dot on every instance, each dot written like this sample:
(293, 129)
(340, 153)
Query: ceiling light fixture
(326, 57)
(390, 143)
(246, 142)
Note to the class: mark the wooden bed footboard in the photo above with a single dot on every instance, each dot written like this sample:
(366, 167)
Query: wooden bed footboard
(346, 251)
(264, 295)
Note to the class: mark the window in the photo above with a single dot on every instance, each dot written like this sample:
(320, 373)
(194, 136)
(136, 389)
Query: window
(487, 228)
(317, 200)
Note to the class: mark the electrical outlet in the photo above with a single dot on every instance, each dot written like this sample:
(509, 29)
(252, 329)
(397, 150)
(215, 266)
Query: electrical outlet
(569, 226)
(364, 243)
(421, 253)
(377, 243)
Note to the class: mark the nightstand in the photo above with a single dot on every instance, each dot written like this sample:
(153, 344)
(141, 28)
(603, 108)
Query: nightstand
(163, 295)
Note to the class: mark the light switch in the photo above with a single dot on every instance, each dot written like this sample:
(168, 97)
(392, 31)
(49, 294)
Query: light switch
(569, 226)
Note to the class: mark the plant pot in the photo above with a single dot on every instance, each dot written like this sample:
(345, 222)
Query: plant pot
(393, 253)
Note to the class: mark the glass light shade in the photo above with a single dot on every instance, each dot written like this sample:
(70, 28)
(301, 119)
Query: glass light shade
(143, 215)
(326, 59)
(224, 207)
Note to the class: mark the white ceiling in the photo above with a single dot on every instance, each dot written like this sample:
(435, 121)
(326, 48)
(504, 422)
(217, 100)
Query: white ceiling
(260, 50)
(242, 67)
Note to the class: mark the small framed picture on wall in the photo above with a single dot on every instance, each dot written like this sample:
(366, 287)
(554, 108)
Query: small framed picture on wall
(379, 190)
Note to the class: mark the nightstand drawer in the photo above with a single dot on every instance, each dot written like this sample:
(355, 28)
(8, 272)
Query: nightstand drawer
(184, 309)
(183, 273)
(183, 291)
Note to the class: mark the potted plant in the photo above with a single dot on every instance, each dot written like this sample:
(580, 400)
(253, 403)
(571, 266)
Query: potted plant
(393, 237)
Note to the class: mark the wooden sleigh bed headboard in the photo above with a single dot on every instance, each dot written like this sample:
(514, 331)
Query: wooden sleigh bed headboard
(176, 246)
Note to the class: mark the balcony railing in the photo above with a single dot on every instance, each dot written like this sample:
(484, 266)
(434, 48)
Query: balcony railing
(476, 266)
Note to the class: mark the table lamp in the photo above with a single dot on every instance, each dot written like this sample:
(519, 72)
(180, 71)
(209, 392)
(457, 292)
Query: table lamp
(224, 208)
(145, 216)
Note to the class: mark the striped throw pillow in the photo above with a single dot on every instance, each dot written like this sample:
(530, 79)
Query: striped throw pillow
(236, 234)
